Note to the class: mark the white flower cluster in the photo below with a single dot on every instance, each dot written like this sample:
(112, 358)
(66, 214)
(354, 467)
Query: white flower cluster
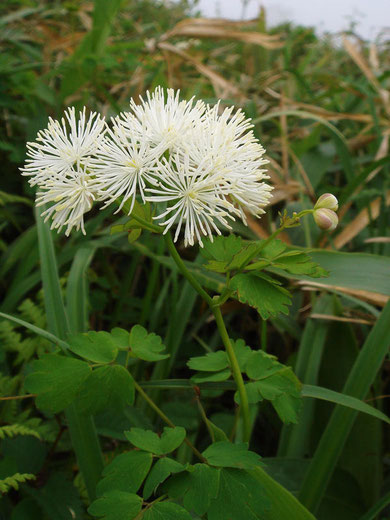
(204, 167)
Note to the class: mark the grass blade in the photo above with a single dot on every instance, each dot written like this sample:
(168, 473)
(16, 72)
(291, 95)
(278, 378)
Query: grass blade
(37, 330)
(377, 508)
(295, 438)
(82, 429)
(318, 392)
(77, 290)
(333, 439)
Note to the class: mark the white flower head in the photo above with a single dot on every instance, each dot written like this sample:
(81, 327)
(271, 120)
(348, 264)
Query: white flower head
(163, 119)
(70, 196)
(63, 145)
(195, 200)
(123, 164)
(234, 156)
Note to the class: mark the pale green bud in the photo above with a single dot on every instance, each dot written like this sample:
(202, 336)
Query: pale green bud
(328, 201)
(326, 219)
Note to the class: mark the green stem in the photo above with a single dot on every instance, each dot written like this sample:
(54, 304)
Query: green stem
(166, 419)
(147, 225)
(215, 308)
(185, 272)
(244, 404)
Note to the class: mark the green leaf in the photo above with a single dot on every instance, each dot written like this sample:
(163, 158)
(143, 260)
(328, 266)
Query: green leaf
(228, 455)
(166, 511)
(14, 481)
(77, 289)
(239, 496)
(196, 487)
(56, 380)
(273, 382)
(282, 389)
(268, 298)
(134, 235)
(243, 256)
(361, 377)
(260, 365)
(222, 248)
(125, 473)
(222, 375)
(216, 433)
(243, 353)
(300, 263)
(116, 505)
(98, 347)
(162, 469)
(146, 346)
(317, 392)
(361, 271)
(121, 338)
(211, 362)
(110, 386)
(150, 441)
(36, 330)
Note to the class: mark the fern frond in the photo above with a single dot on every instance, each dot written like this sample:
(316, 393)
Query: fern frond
(12, 430)
(33, 313)
(14, 481)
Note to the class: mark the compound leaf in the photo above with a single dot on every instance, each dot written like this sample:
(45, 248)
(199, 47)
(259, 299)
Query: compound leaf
(228, 455)
(56, 380)
(125, 473)
(196, 487)
(239, 496)
(98, 347)
(159, 473)
(115, 505)
(150, 441)
(211, 362)
(146, 346)
(261, 293)
(110, 386)
(166, 511)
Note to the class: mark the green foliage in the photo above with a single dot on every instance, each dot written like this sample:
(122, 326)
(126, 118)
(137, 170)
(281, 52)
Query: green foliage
(146, 346)
(166, 511)
(98, 347)
(116, 504)
(147, 440)
(56, 380)
(53, 56)
(107, 387)
(161, 470)
(228, 455)
(272, 381)
(262, 293)
(14, 481)
(17, 429)
(276, 254)
(125, 473)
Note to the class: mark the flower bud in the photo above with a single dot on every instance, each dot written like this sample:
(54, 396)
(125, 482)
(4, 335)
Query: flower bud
(328, 201)
(326, 219)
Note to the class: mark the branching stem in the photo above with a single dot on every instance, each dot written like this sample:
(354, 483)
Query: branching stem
(166, 419)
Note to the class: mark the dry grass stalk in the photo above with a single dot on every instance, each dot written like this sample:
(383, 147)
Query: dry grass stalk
(222, 29)
(360, 222)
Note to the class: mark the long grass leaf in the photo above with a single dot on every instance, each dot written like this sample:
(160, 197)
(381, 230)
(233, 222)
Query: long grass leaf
(333, 439)
(77, 291)
(82, 429)
(44, 333)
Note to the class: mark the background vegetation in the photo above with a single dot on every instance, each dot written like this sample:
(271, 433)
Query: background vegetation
(321, 108)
